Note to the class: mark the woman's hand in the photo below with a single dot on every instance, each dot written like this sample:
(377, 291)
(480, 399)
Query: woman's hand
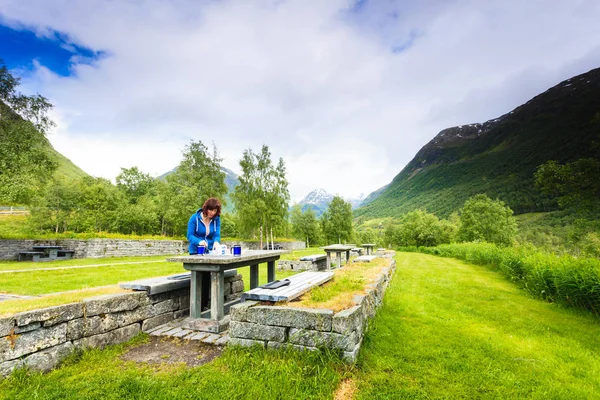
(202, 243)
(215, 245)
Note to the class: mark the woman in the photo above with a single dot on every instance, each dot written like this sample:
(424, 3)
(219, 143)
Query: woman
(204, 226)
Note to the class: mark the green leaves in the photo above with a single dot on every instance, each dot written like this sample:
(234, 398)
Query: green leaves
(488, 220)
(261, 198)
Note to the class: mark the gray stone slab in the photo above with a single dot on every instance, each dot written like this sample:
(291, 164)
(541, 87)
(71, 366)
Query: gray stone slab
(364, 258)
(222, 341)
(199, 335)
(211, 339)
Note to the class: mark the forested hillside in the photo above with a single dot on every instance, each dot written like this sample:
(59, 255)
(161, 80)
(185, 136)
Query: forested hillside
(499, 157)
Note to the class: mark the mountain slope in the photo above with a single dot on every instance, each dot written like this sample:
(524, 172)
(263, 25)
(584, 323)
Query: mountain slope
(318, 200)
(500, 156)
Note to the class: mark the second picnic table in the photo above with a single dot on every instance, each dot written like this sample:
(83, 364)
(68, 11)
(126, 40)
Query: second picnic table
(337, 249)
(201, 266)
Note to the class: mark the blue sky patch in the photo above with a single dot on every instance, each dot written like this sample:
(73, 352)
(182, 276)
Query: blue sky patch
(20, 47)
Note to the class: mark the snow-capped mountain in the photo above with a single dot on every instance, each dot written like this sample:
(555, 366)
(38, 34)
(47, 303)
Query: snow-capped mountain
(319, 200)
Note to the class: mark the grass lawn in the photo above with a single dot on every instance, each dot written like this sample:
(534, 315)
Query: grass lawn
(446, 330)
(110, 271)
(452, 330)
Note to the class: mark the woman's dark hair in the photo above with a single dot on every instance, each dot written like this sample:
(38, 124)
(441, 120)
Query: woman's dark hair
(212, 203)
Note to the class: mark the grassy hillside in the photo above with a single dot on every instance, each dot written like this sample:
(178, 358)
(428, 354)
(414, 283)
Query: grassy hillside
(66, 169)
(500, 156)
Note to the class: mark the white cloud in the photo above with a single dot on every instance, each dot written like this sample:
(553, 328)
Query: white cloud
(317, 81)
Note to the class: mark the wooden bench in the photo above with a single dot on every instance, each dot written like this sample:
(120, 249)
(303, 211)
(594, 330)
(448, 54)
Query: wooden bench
(30, 255)
(162, 284)
(314, 257)
(299, 284)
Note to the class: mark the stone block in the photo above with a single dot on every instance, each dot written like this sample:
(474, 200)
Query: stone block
(111, 303)
(28, 328)
(75, 329)
(8, 366)
(247, 330)
(301, 318)
(239, 311)
(6, 325)
(156, 321)
(33, 341)
(129, 317)
(285, 346)
(165, 306)
(350, 357)
(105, 339)
(48, 359)
(181, 313)
(237, 286)
(51, 315)
(246, 342)
(227, 289)
(310, 338)
(349, 320)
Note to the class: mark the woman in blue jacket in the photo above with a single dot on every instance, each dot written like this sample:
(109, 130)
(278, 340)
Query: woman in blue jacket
(204, 226)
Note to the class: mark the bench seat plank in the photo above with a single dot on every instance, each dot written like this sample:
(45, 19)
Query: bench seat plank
(314, 257)
(299, 284)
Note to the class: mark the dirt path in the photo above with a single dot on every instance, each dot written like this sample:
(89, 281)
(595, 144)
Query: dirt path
(164, 350)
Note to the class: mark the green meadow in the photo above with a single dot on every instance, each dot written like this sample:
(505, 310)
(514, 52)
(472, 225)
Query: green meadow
(446, 329)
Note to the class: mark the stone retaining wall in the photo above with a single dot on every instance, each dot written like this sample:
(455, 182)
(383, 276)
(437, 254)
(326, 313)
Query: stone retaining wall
(100, 248)
(306, 328)
(40, 339)
(297, 265)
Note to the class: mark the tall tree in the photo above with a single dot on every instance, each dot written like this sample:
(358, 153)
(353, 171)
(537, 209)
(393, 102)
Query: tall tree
(305, 225)
(197, 177)
(25, 164)
(261, 198)
(337, 221)
(482, 218)
(134, 183)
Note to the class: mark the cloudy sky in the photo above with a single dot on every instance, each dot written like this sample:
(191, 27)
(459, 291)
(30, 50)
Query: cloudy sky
(346, 92)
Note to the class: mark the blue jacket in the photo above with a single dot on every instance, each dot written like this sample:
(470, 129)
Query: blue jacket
(196, 232)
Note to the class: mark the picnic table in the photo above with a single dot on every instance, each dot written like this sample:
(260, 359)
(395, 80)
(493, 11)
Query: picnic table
(46, 253)
(213, 267)
(369, 247)
(337, 249)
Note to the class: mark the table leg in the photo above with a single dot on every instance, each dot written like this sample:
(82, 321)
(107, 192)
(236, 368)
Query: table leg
(270, 271)
(347, 256)
(217, 293)
(196, 294)
(253, 276)
(339, 258)
(328, 261)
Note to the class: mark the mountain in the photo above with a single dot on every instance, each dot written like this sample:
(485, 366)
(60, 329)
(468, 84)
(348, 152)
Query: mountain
(318, 200)
(498, 157)
(356, 202)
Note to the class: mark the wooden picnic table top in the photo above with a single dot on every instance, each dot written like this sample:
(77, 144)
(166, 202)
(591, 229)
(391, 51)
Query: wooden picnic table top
(337, 247)
(213, 262)
(46, 247)
(368, 245)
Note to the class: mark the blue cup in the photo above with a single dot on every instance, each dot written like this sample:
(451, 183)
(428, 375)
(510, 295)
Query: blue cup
(237, 250)
(201, 249)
